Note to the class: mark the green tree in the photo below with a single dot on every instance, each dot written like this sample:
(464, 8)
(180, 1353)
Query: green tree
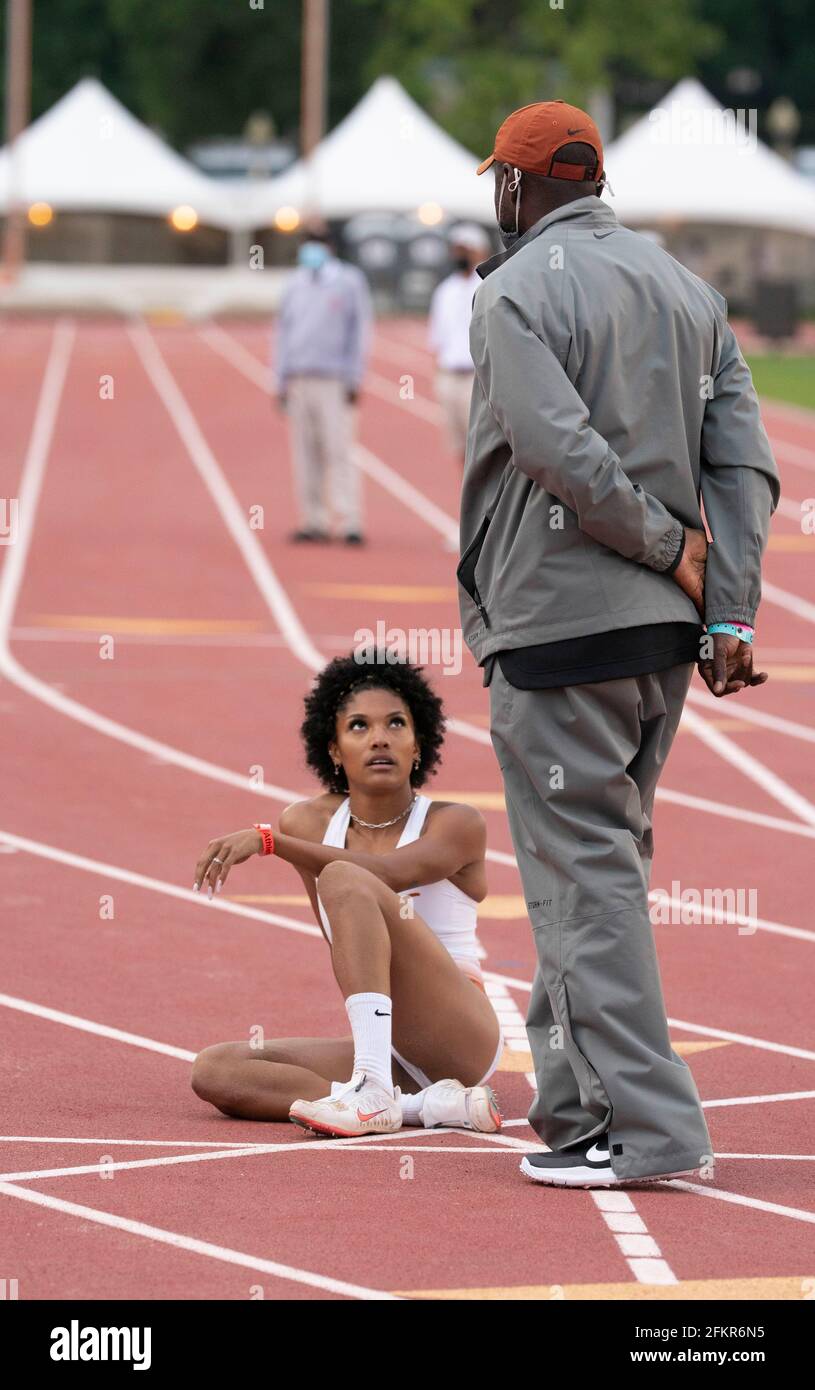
(471, 61)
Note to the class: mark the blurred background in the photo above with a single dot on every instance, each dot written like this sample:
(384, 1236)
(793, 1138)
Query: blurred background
(162, 155)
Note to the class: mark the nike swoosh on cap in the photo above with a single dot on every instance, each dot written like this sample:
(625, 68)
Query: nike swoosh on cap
(577, 130)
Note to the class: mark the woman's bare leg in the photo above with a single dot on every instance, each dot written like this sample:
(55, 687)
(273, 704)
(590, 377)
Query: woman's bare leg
(261, 1083)
(441, 1021)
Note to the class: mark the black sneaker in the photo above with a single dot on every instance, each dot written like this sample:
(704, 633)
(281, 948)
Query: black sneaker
(587, 1165)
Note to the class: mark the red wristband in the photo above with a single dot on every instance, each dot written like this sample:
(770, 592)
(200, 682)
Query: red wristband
(267, 837)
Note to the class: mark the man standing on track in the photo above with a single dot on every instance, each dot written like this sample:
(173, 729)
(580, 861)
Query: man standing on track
(610, 392)
(322, 340)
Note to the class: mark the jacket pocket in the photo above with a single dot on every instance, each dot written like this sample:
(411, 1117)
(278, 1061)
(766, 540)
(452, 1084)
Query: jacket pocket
(465, 570)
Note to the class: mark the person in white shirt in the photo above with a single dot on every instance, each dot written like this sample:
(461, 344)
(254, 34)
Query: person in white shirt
(449, 331)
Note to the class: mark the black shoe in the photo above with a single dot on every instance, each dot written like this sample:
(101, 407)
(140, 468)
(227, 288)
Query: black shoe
(587, 1165)
(354, 538)
(307, 535)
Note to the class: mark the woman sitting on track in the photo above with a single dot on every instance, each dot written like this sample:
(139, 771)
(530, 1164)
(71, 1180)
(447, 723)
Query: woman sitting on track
(394, 879)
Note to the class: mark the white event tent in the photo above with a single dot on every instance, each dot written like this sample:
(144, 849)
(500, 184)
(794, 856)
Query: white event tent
(387, 155)
(688, 161)
(88, 153)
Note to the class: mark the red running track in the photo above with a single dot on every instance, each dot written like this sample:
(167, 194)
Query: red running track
(116, 1181)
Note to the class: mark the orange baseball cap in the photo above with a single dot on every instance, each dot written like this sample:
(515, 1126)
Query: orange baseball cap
(530, 138)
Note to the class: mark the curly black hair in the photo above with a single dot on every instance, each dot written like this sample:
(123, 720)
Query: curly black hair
(330, 692)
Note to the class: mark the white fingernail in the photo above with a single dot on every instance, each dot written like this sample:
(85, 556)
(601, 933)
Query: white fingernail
(195, 888)
(218, 886)
(209, 891)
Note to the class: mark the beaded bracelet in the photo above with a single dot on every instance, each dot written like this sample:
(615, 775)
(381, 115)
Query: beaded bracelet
(741, 630)
(267, 837)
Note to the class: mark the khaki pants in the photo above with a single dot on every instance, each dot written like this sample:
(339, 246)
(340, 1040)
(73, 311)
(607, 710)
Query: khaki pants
(454, 391)
(325, 471)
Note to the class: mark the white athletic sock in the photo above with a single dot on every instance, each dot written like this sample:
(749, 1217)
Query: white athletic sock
(412, 1108)
(370, 1019)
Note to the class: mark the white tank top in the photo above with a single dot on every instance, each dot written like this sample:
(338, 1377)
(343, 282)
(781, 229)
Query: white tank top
(449, 912)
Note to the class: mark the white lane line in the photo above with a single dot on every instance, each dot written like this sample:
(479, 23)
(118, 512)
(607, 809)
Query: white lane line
(409, 496)
(708, 916)
(787, 507)
(638, 1247)
(746, 763)
(796, 454)
(166, 639)
(196, 1247)
(801, 607)
(168, 1160)
(761, 1043)
(499, 857)
(781, 1158)
(239, 356)
(126, 1143)
(749, 715)
(156, 885)
(304, 1146)
(53, 382)
(86, 1025)
(737, 1199)
(232, 514)
(737, 813)
(760, 1100)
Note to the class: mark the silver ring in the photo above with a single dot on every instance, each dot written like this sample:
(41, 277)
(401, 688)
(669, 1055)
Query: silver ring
(217, 861)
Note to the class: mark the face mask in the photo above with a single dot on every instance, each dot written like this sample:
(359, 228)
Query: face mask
(509, 238)
(312, 254)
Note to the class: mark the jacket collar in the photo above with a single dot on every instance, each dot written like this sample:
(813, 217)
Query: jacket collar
(592, 209)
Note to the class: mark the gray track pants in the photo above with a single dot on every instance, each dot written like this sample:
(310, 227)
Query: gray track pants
(580, 765)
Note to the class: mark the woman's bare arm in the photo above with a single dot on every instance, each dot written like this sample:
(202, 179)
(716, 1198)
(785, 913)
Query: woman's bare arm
(456, 836)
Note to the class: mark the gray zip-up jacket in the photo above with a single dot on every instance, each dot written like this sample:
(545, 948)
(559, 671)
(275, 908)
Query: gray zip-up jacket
(610, 400)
